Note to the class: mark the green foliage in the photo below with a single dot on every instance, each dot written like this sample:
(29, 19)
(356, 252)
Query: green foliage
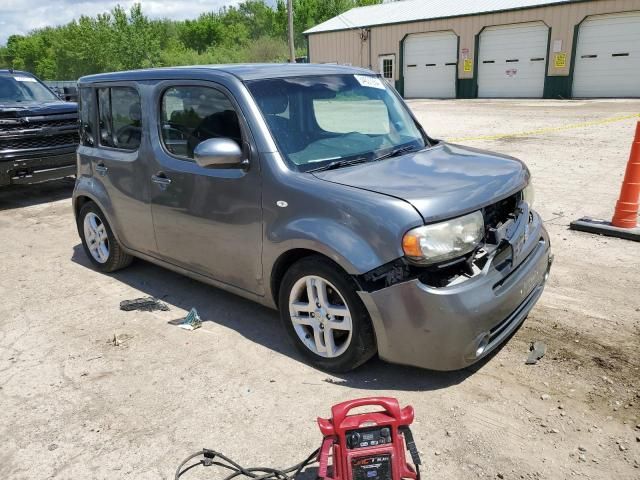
(121, 40)
(309, 13)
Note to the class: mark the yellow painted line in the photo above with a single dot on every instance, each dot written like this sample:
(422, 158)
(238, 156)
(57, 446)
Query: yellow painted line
(541, 131)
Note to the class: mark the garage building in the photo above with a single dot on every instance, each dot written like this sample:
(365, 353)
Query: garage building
(490, 48)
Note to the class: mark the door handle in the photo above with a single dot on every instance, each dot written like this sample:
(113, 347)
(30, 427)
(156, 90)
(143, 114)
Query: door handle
(101, 169)
(161, 179)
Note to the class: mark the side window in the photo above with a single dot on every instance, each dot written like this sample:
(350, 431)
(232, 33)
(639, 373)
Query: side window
(104, 109)
(87, 117)
(120, 116)
(190, 115)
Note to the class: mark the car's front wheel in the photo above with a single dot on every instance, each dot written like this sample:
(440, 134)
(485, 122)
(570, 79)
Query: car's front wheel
(324, 316)
(98, 241)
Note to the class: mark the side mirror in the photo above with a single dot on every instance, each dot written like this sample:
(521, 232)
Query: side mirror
(219, 153)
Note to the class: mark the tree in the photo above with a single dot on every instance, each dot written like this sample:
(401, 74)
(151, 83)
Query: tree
(201, 33)
(308, 13)
(252, 31)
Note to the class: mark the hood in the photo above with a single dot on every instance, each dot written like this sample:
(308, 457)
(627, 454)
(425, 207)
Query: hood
(441, 182)
(17, 110)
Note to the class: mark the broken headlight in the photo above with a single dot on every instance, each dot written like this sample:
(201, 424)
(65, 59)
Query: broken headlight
(444, 240)
(528, 194)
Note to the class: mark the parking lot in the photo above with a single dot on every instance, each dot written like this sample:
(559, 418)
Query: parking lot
(78, 403)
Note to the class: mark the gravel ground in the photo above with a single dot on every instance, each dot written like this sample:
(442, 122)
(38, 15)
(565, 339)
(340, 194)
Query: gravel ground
(76, 404)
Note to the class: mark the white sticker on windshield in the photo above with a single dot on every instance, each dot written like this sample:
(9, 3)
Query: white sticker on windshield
(25, 79)
(368, 81)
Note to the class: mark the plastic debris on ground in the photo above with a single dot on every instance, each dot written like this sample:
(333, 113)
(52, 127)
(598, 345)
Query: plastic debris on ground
(191, 321)
(537, 351)
(145, 304)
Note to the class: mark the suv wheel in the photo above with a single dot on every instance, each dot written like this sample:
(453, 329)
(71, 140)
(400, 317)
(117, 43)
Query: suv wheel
(324, 316)
(99, 243)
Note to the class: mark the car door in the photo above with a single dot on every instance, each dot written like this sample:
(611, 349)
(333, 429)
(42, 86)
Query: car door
(118, 153)
(207, 220)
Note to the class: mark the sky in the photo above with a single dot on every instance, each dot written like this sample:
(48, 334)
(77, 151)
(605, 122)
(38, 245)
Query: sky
(22, 16)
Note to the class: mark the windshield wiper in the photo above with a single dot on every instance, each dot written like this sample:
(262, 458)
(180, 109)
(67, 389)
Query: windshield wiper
(354, 161)
(395, 152)
(338, 164)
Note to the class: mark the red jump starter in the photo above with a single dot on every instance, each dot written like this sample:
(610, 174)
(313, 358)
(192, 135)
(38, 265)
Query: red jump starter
(368, 446)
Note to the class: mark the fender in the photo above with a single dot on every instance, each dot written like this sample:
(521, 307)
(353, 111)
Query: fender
(358, 229)
(87, 187)
(328, 237)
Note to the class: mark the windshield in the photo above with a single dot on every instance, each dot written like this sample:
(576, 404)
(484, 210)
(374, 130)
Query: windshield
(21, 88)
(322, 120)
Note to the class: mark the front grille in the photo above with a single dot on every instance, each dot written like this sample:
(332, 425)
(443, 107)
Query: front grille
(35, 123)
(498, 213)
(29, 142)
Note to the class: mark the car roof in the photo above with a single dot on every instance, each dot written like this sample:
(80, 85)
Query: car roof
(248, 71)
(13, 72)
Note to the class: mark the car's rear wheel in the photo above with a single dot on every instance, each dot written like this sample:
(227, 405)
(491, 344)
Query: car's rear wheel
(98, 241)
(324, 316)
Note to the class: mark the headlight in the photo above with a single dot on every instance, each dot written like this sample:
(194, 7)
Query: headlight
(528, 194)
(445, 240)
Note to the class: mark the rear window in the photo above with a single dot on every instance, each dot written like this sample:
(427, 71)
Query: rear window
(120, 115)
(87, 117)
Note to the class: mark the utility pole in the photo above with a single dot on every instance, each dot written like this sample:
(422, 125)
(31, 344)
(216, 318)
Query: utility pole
(292, 50)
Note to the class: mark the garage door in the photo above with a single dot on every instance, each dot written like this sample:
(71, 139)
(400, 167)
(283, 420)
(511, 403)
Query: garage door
(607, 62)
(430, 65)
(512, 60)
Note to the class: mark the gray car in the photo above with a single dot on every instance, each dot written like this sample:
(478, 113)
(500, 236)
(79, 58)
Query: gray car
(312, 189)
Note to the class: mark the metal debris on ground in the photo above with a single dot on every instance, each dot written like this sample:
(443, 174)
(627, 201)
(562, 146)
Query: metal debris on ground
(191, 321)
(537, 349)
(145, 304)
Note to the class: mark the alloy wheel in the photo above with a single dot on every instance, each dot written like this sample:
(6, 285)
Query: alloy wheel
(320, 316)
(95, 234)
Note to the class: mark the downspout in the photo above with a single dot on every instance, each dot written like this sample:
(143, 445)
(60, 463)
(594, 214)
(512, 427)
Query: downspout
(369, 39)
(306, 41)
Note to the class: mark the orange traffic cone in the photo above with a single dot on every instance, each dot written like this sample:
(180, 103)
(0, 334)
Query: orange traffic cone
(626, 214)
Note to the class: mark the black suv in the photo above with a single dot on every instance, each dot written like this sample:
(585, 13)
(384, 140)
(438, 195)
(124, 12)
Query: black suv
(38, 131)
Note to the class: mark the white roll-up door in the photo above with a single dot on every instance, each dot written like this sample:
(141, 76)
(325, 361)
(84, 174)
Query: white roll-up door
(607, 62)
(430, 65)
(512, 60)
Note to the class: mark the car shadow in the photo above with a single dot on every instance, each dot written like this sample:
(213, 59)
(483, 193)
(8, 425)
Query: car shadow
(261, 325)
(20, 196)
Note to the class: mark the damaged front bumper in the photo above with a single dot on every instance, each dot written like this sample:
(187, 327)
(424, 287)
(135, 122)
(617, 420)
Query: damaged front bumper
(451, 327)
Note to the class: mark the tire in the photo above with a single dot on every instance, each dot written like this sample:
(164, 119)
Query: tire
(108, 259)
(320, 334)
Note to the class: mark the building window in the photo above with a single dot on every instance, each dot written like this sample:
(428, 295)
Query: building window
(120, 115)
(191, 115)
(387, 68)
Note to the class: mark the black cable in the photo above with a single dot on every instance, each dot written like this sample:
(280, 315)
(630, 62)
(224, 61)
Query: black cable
(211, 457)
(413, 449)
